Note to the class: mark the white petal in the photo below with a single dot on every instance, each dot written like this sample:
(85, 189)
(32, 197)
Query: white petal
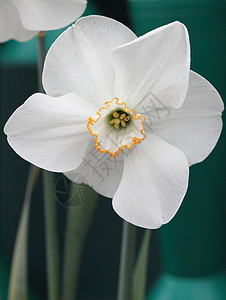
(10, 24)
(154, 65)
(196, 126)
(51, 132)
(153, 184)
(100, 171)
(79, 59)
(48, 14)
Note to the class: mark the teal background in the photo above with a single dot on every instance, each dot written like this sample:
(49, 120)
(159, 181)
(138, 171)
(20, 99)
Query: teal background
(192, 246)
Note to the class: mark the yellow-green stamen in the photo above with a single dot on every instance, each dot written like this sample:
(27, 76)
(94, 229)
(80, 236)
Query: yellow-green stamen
(119, 119)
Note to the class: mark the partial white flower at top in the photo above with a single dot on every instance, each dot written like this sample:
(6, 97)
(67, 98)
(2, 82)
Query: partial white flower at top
(124, 115)
(22, 19)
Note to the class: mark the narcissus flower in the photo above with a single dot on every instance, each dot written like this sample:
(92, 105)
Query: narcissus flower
(21, 19)
(122, 114)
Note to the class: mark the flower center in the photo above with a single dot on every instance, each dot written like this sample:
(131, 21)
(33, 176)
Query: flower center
(116, 127)
(119, 118)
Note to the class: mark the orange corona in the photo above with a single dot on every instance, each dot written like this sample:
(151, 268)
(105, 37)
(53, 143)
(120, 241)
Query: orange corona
(134, 139)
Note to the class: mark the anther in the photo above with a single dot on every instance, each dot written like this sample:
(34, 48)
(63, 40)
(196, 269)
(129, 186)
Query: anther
(116, 126)
(115, 114)
(122, 116)
(127, 118)
(112, 121)
(123, 123)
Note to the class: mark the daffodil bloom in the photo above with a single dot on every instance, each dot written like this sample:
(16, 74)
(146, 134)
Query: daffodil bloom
(124, 115)
(21, 19)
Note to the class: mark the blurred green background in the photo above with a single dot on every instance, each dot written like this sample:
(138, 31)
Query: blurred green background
(189, 253)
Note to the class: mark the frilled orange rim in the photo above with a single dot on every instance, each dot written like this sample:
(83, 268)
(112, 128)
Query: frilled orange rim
(121, 148)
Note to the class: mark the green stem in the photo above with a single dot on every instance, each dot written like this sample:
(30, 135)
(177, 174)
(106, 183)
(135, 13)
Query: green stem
(52, 245)
(140, 270)
(50, 210)
(41, 39)
(77, 225)
(127, 261)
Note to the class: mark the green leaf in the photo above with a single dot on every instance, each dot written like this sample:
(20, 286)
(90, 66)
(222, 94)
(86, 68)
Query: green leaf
(140, 271)
(18, 285)
(83, 201)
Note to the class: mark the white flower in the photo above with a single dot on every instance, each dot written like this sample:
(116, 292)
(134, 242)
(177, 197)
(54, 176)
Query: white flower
(109, 90)
(21, 19)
